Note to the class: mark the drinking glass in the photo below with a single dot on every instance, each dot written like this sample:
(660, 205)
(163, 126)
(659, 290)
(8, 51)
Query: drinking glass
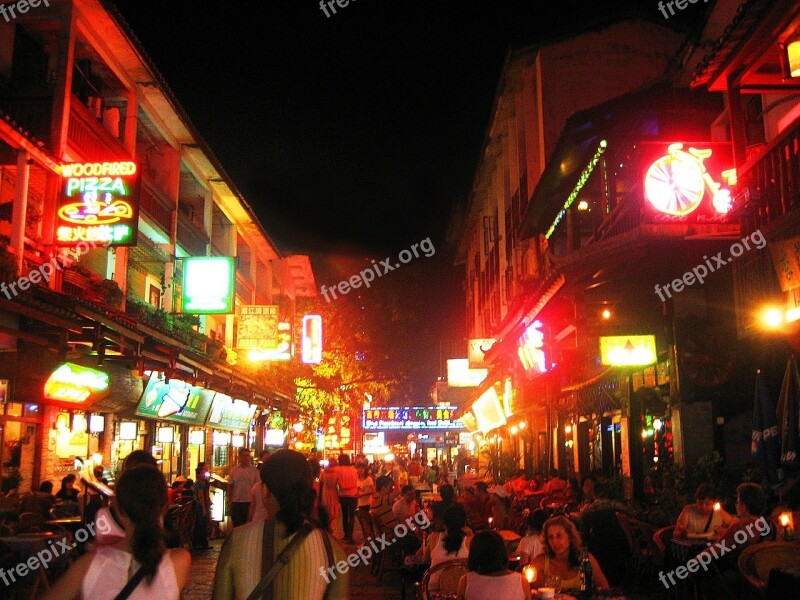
(553, 581)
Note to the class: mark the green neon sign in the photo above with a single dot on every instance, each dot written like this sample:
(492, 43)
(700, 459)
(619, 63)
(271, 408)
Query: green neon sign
(208, 285)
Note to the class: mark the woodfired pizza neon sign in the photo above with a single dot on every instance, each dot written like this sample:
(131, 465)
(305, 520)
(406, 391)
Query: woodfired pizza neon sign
(98, 203)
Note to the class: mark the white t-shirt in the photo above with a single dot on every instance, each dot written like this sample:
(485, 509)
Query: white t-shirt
(242, 480)
(111, 568)
(531, 545)
(439, 554)
(486, 587)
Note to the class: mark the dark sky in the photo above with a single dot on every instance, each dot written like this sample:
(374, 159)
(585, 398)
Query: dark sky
(360, 128)
(357, 133)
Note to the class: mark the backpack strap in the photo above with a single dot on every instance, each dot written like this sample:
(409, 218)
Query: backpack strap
(270, 566)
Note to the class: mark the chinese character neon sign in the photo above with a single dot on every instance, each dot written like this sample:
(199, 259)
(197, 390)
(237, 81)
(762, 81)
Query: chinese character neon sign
(530, 350)
(99, 203)
(676, 184)
(74, 384)
(312, 339)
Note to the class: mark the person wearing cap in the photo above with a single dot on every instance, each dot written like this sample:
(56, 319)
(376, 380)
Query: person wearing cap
(500, 507)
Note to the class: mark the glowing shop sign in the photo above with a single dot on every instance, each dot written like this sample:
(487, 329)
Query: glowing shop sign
(459, 373)
(489, 411)
(628, 350)
(530, 348)
(98, 203)
(312, 339)
(431, 417)
(174, 400)
(74, 384)
(208, 285)
(227, 413)
(676, 184)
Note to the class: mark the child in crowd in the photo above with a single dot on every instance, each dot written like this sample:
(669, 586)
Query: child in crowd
(532, 545)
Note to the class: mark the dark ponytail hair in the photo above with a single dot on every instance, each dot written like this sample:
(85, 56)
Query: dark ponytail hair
(455, 518)
(141, 494)
(287, 475)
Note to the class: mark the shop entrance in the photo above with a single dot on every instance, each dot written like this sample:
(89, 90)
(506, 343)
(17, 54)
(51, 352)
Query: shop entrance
(19, 428)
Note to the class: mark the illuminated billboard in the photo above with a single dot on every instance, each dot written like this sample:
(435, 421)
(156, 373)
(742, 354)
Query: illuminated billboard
(72, 385)
(530, 348)
(258, 327)
(459, 373)
(488, 411)
(312, 339)
(99, 202)
(174, 400)
(208, 285)
(628, 350)
(431, 417)
(227, 413)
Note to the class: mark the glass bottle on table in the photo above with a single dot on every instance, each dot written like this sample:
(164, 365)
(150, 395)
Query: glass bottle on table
(586, 575)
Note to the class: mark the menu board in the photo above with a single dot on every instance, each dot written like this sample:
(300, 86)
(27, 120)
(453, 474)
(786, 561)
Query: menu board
(227, 413)
(175, 401)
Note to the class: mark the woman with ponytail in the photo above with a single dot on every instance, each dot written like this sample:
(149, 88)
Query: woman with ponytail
(138, 561)
(308, 554)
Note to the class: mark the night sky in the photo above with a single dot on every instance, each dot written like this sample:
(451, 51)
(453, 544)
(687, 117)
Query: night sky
(357, 133)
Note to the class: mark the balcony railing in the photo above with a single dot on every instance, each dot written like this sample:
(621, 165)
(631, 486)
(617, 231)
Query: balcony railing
(191, 237)
(89, 136)
(770, 182)
(155, 204)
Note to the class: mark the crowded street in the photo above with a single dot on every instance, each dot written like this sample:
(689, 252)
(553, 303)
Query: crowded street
(432, 300)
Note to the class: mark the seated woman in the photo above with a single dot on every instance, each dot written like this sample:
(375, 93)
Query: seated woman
(562, 554)
(453, 542)
(700, 517)
(489, 576)
(532, 544)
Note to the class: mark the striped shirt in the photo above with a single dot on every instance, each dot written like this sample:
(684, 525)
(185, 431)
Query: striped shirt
(239, 566)
(381, 510)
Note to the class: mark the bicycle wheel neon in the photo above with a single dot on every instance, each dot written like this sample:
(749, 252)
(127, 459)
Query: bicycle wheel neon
(674, 184)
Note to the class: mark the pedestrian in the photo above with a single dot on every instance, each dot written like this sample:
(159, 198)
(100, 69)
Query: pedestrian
(138, 561)
(68, 493)
(348, 495)
(366, 487)
(202, 507)
(241, 480)
(304, 555)
(329, 496)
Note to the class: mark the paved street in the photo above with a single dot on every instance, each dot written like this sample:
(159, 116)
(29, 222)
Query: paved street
(363, 586)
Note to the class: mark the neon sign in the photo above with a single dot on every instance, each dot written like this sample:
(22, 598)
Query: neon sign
(430, 417)
(98, 203)
(530, 348)
(676, 184)
(312, 339)
(74, 384)
(208, 285)
(628, 350)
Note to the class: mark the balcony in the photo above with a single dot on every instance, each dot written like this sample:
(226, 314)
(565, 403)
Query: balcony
(87, 135)
(156, 205)
(191, 237)
(769, 182)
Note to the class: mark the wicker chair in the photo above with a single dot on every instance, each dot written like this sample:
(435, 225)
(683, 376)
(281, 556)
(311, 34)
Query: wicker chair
(639, 536)
(441, 582)
(758, 560)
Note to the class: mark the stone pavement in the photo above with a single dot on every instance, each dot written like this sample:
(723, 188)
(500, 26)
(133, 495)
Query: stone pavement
(363, 586)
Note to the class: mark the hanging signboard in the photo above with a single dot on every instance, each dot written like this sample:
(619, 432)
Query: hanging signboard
(99, 203)
(175, 401)
(431, 417)
(628, 350)
(258, 327)
(227, 413)
(208, 285)
(312, 339)
(74, 385)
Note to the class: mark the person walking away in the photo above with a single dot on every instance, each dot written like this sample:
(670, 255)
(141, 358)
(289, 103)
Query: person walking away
(202, 507)
(329, 496)
(304, 553)
(240, 481)
(348, 495)
(139, 560)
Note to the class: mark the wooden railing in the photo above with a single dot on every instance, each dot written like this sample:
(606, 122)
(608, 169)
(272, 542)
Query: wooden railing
(155, 204)
(769, 184)
(191, 237)
(87, 135)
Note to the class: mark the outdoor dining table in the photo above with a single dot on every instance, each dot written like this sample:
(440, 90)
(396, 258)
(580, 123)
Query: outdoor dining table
(27, 545)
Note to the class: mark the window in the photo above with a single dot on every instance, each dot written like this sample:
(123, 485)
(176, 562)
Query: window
(154, 295)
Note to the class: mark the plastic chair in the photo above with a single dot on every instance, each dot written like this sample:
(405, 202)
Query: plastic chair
(441, 581)
(758, 560)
